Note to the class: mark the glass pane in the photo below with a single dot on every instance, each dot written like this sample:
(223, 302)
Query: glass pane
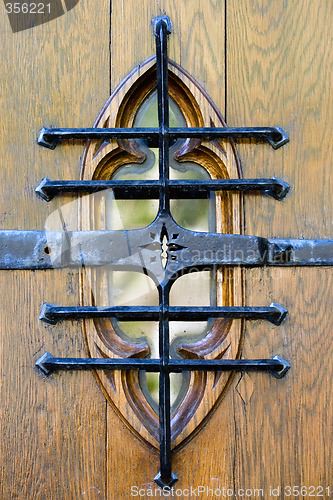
(197, 215)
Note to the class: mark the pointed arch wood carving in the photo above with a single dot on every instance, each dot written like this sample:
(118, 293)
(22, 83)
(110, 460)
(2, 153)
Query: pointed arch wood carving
(223, 340)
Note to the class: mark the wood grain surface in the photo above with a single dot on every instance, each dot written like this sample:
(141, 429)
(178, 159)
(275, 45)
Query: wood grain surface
(262, 62)
(279, 71)
(52, 430)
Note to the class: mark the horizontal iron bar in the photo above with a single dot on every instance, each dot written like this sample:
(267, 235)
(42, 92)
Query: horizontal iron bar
(52, 314)
(50, 137)
(150, 189)
(276, 136)
(276, 365)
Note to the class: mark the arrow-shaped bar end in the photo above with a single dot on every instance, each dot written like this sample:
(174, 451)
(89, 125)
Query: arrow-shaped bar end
(46, 139)
(44, 316)
(279, 191)
(280, 140)
(166, 21)
(279, 314)
(40, 363)
(165, 484)
(40, 191)
(284, 367)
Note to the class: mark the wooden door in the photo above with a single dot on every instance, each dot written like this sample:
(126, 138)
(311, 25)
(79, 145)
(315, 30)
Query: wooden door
(263, 63)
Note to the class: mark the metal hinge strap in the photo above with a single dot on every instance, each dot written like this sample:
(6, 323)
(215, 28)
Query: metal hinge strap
(136, 250)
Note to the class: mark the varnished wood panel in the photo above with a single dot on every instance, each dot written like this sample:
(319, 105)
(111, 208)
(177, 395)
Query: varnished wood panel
(52, 430)
(60, 439)
(279, 63)
(197, 43)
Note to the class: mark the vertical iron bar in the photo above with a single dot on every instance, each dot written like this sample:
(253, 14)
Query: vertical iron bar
(165, 477)
(161, 34)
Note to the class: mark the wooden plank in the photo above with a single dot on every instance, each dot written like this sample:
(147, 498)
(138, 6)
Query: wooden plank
(197, 43)
(53, 431)
(60, 439)
(197, 40)
(279, 61)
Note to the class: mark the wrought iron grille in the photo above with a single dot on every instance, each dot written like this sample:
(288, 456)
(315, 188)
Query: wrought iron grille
(178, 240)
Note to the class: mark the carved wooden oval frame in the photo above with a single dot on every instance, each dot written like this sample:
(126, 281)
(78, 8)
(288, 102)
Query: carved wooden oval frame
(100, 161)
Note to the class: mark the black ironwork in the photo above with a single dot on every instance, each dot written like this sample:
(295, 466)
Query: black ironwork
(51, 137)
(182, 189)
(140, 249)
(137, 249)
(52, 314)
(277, 366)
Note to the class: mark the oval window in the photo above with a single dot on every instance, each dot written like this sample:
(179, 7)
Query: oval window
(135, 395)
